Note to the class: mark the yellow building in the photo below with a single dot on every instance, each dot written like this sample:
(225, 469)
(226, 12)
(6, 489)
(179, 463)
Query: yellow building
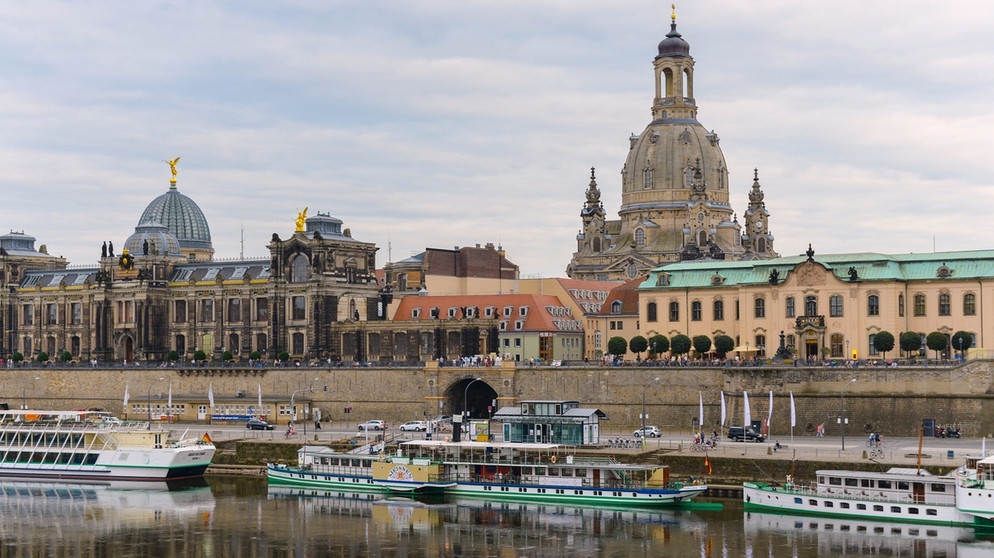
(829, 306)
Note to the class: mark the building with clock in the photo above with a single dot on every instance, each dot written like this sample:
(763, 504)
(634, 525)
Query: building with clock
(675, 191)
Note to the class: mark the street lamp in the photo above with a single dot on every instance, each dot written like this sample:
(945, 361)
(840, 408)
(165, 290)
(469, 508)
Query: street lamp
(24, 392)
(148, 401)
(293, 411)
(465, 406)
(644, 389)
(842, 419)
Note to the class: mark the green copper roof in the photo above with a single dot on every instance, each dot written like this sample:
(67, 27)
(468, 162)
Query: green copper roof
(869, 266)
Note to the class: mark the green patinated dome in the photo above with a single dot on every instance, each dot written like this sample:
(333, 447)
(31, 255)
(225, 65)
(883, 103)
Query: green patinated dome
(183, 217)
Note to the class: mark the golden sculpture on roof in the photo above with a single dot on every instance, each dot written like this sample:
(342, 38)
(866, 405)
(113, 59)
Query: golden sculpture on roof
(301, 217)
(172, 168)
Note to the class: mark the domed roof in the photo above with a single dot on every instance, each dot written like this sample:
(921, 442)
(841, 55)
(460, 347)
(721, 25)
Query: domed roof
(182, 216)
(160, 240)
(673, 44)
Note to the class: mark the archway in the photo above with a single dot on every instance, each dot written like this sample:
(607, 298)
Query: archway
(473, 395)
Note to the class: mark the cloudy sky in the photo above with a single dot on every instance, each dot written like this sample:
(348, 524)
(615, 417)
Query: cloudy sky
(442, 123)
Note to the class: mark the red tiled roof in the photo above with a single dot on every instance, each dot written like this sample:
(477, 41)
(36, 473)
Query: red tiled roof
(544, 312)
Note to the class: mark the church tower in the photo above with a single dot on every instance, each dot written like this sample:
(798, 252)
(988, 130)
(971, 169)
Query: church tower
(757, 238)
(674, 188)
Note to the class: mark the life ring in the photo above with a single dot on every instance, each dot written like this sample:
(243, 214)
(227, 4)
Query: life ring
(552, 459)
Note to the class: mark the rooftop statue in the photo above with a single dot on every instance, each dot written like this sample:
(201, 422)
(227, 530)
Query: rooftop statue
(301, 217)
(172, 168)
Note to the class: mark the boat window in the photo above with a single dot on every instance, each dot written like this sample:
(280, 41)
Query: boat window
(938, 488)
(798, 501)
(895, 509)
(835, 481)
(829, 505)
(567, 472)
(930, 511)
(913, 511)
(852, 482)
(582, 473)
(878, 530)
(866, 483)
(821, 480)
(878, 508)
(930, 532)
(860, 506)
(903, 485)
(812, 502)
(913, 532)
(883, 484)
(844, 505)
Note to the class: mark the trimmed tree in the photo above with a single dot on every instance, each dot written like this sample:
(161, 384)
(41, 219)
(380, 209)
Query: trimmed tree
(173, 356)
(227, 356)
(680, 344)
(961, 341)
(659, 344)
(910, 341)
(723, 344)
(66, 356)
(936, 341)
(617, 346)
(284, 356)
(43, 357)
(702, 344)
(255, 355)
(17, 357)
(638, 345)
(199, 356)
(884, 341)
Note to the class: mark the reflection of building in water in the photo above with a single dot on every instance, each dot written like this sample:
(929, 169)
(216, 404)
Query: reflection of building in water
(838, 537)
(98, 508)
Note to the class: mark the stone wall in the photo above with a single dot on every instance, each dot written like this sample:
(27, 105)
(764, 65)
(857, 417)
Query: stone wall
(892, 400)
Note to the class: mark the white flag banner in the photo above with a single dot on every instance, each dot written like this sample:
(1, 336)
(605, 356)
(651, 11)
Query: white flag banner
(983, 447)
(127, 396)
(793, 411)
(169, 401)
(701, 423)
(210, 394)
(769, 415)
(746, 413)
(722, 408)
(260, 399)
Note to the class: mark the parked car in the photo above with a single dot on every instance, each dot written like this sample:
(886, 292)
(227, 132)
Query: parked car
(647, 431)
(742, 434)
(373, 425)
(414, 425)
(258, 424)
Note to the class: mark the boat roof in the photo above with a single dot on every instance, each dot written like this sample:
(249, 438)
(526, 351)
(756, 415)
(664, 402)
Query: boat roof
(483, 445)
(892, 472)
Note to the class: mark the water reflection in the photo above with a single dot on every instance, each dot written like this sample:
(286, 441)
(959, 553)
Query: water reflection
(235, 517)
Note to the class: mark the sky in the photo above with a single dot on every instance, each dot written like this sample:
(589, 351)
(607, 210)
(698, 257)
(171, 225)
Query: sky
(454, 123)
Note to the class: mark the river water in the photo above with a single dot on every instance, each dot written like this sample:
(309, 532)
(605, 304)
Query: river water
(235, 517)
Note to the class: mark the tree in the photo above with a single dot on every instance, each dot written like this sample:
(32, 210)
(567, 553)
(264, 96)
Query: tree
(199, 356)
(910, 341)
(680, 344)
(961, 341)
(617, 346)
(723, 344)
(659, 344)
(172, 356)
(227, 356)
(937, 342)
(284, 356)
(702, 344)
(43, 357)
(884, 341)
(17, 357)
(255, 355)
(66, 356)
(638, 345)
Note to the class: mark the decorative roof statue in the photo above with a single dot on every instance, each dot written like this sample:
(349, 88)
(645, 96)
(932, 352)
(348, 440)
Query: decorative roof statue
(301, 217)
(172, 168)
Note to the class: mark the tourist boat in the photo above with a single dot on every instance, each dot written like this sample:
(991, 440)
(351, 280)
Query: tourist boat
(520, 472)
(975, 489)
(324, 468)
(89, 446)
(530, 472)
(900, 494)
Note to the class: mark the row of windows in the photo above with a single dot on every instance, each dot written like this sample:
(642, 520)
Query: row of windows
(471, 312)
(835, 307)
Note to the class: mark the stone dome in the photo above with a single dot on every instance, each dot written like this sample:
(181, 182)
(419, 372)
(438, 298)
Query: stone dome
(160, 240)
(673, 44)
(183, 218)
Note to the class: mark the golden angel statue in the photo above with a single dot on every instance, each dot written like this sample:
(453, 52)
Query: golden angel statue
(172, 168)
(301, 217)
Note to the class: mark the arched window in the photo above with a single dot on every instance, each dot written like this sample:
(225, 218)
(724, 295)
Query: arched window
(837, 341)
(873, 305)
(180, 345)
(650, 311)
(647, 177)
(760, 304)
(761, 345)
(900, 305)
(597, 244)
(969, 304)
(616, 307)
(702, 238)
(761, 245)
(835, 306)
(674, 311)
(695, 310)
(260, 342)
(811, 305)
(719, 310)
(789, 305)
(919, 305)
(299, 270)
(873, 344)
(297, 341)
(640, 237)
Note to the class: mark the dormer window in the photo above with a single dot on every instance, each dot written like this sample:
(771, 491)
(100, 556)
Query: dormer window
(616, 307)
(502, 326)
(519, 325)
(490, 312)
(416, 313)
(507, 311)
(453, 311)
(523, 311)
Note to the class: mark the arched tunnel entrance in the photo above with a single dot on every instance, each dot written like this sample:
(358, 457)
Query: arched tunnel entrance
(472, 395)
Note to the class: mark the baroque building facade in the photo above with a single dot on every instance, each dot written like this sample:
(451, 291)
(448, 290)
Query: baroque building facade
(675, 192)
(165, 292)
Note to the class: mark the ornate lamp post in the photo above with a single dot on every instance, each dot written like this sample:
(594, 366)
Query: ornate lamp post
(842, 418)
(465, 394)
(644, 389)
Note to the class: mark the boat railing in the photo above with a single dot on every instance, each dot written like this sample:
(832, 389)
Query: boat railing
(856, 493)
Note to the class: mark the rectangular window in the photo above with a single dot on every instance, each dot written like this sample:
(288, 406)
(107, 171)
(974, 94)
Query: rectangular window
(180, 311)
(873, 345)
(919, 305)
(835, 306)
(651, 312)
(695, 311)
(873, 305)
(235, 310)
(674, 311)
(262, 309)
(789, 305)
(760, 307)
(76, 313)
(969, 304)
(27, 314)
(207, 310)
(51, 314)
(299, 308)
(900, 305)
(719, 310)
(945, 304)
